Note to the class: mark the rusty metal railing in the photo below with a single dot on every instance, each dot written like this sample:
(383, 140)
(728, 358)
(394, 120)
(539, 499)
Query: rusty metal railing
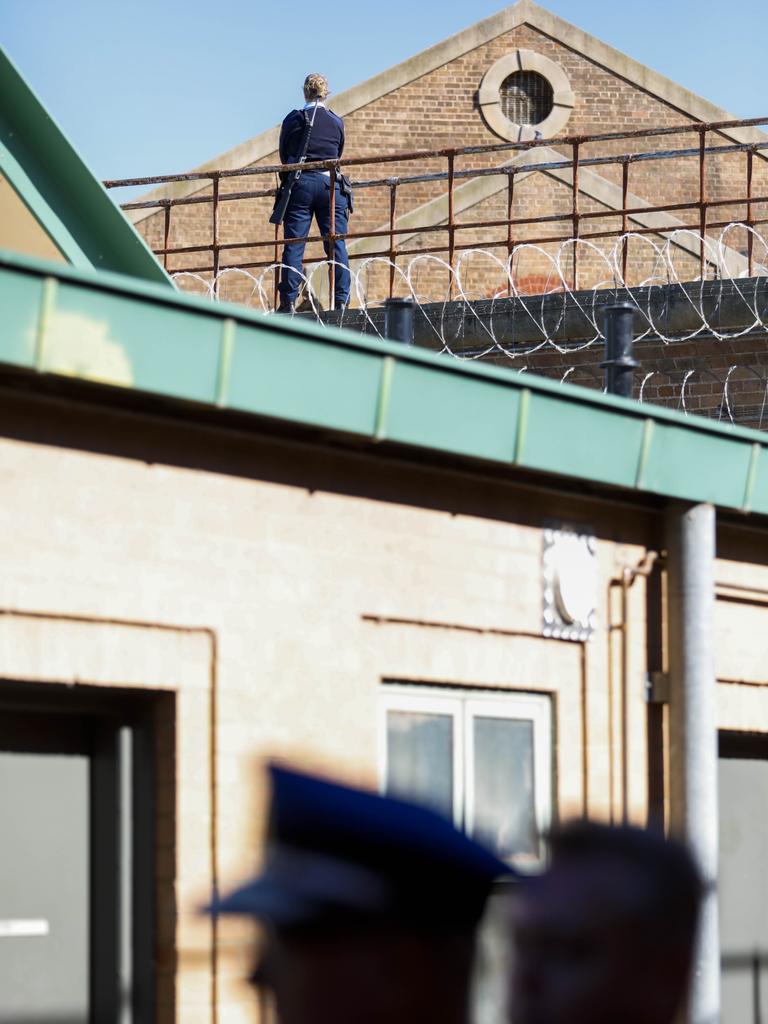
(711, 142)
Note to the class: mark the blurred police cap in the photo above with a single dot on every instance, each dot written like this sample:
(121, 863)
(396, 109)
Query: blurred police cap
(341, 855)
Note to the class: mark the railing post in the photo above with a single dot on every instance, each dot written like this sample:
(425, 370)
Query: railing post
(750, 236)
(392, 247)
(619, 362)
(166, 230)
(451, 219)
(703, 197)
(624, 219)
(398, 320)
(510, 237)
(278, 271)
(576, 215)
(215, 229)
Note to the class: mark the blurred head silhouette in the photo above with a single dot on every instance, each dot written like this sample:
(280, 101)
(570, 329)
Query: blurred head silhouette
(369, 907)
(606, 934)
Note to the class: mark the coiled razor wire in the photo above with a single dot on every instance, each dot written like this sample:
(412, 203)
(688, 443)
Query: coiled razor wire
(541, 322)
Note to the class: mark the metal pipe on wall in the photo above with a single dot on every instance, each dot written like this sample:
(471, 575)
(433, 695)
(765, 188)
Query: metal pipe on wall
(690, 535)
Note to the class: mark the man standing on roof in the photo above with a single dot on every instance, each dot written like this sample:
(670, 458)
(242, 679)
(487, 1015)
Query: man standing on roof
(369, 906)
(310, 196)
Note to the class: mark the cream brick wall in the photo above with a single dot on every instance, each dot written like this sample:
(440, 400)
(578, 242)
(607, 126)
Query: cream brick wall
(295, 603)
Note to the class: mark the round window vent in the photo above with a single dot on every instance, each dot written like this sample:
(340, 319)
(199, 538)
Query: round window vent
(526, 97)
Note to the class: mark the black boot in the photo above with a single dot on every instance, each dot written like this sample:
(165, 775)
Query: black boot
(286, 307)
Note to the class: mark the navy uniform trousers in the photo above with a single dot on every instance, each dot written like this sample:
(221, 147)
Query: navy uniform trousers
(311, 198)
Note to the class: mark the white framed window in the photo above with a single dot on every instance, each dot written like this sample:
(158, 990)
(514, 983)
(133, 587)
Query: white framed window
(481, 758)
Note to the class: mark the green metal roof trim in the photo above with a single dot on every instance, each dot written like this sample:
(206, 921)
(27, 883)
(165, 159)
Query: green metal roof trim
(69, 203)
(106, 328)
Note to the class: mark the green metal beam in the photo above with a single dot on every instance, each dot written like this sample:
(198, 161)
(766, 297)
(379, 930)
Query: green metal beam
(116, 331)
(54, 183)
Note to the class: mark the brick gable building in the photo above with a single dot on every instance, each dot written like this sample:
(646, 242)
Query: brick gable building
(555, 80)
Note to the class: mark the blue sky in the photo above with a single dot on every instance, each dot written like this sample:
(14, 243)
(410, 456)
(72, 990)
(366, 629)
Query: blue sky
(157, 86)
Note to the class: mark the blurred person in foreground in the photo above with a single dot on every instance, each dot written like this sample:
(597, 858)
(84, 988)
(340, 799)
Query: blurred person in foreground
(606, 934)
(369, 907)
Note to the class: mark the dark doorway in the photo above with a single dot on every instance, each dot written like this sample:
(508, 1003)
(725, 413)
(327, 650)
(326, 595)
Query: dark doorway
(743, 784)
(77, 814)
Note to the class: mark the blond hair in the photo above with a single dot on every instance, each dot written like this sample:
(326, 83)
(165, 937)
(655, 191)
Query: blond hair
(315, 87)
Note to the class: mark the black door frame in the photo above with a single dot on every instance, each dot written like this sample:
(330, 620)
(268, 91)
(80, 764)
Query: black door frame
(751, 746)
(116, 728)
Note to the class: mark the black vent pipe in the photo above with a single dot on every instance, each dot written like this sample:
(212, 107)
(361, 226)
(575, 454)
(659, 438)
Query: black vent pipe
(619, 362)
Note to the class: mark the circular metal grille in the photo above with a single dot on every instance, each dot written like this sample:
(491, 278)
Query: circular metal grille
(526, 97)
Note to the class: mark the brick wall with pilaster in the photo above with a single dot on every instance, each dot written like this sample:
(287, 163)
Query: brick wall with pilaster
(319, 575)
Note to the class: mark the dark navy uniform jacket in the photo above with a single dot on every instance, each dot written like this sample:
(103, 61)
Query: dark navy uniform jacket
(326, 141)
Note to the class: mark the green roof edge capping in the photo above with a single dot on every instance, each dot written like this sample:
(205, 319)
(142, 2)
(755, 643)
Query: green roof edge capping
(59, 190)
(112, 330)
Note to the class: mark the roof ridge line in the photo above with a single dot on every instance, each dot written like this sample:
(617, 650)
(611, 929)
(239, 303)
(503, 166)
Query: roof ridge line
(57, 189)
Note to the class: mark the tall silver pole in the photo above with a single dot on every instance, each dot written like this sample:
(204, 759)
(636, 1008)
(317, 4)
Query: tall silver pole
(693, 727)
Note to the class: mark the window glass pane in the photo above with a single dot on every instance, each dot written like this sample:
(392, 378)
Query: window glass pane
(504, 810)
(420, 758)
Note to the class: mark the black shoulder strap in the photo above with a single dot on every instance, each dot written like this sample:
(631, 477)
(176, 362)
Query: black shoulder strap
(289, 179)
(309, 124)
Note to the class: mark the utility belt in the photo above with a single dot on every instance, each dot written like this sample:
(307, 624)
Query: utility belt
(343, 181)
